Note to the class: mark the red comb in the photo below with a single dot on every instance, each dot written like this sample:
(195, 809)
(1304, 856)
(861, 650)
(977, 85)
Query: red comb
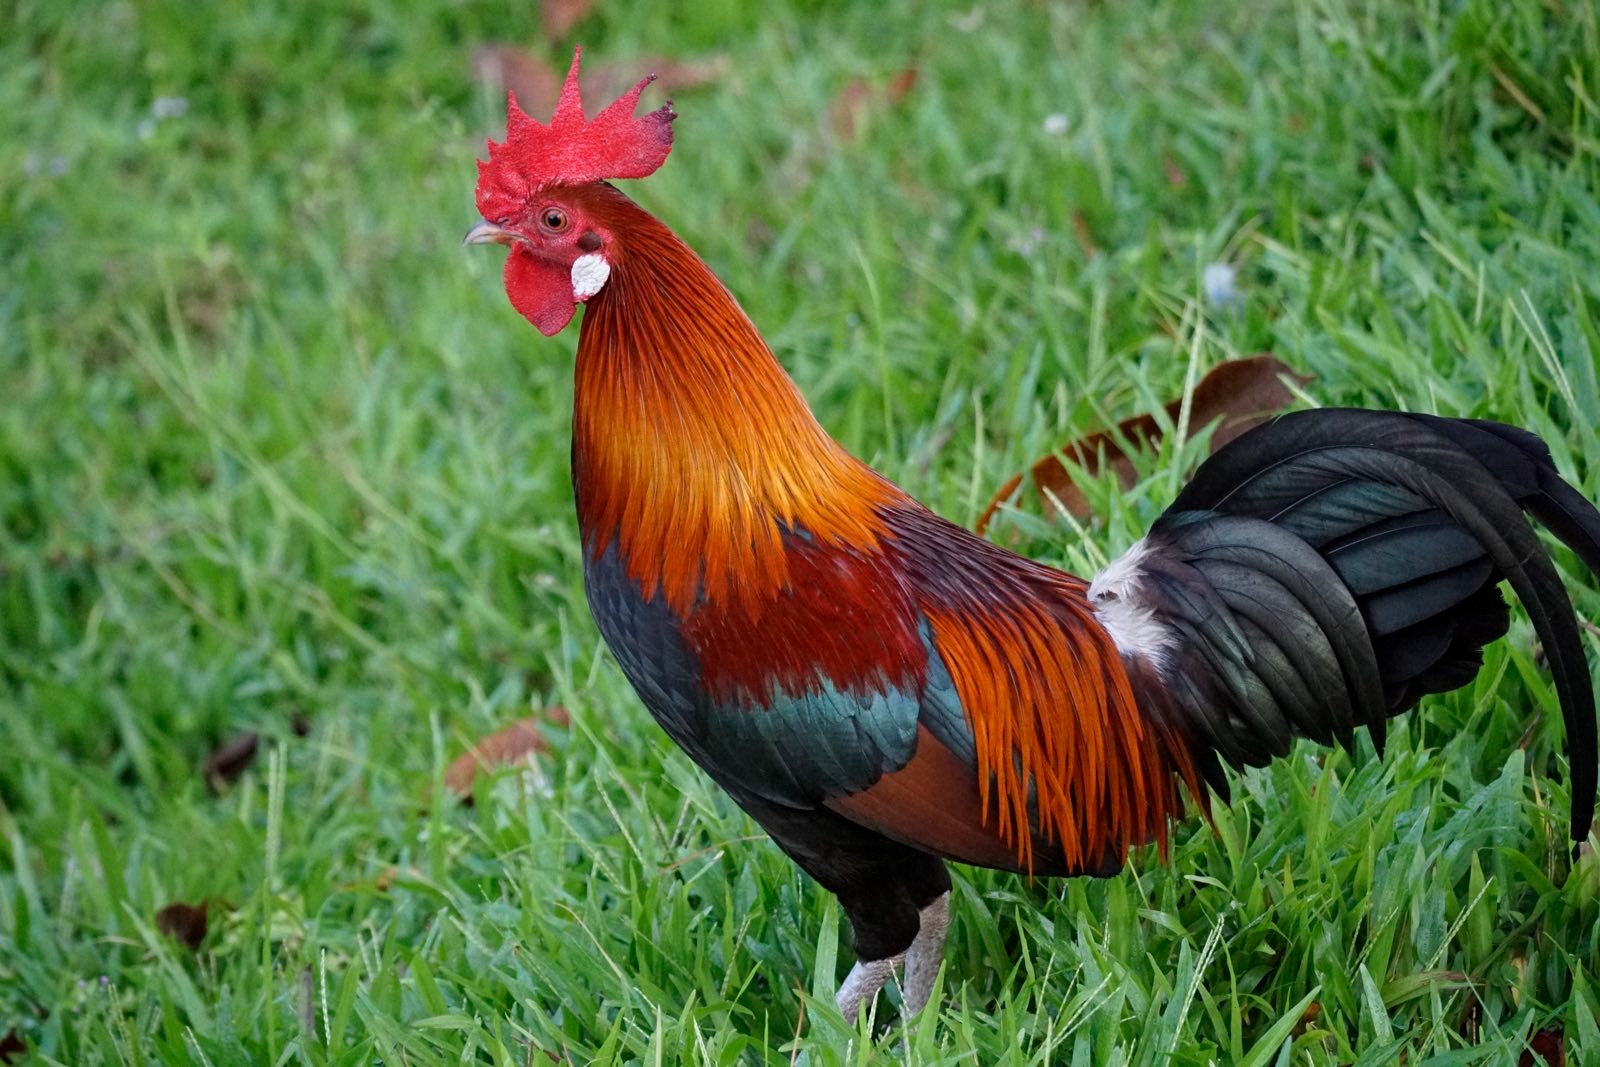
(571, 150)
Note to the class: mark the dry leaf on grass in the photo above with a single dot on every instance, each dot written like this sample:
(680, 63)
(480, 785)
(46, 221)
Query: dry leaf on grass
(517, 743)
(559, 16)
(1548, 1046)
(1243, 393)
(609, 80)
(184, 923)
(852, 110)
(844, 122)
(231, 760)
(511, 67)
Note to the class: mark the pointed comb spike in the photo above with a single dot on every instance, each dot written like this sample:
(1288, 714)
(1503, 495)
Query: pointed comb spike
(518, 121)
(569, 108)
(572, 150)
(630, 99)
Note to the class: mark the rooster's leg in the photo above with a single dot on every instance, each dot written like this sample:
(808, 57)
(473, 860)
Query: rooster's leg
(921, 960)
(925, 954)
(862, 984)
(896, 898)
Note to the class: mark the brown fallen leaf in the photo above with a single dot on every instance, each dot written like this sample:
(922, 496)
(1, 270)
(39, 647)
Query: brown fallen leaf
(511, 67)
(1546, 1046)
(230, 760)
(612, 78)
(184, 923)
(559, 16)
(1243, 393)
(516, 743)
(852, 109)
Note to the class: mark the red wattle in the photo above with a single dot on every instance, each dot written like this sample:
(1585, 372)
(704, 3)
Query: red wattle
(540, 290)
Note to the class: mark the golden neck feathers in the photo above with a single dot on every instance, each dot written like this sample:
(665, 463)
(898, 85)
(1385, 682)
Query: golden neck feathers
(692, 449)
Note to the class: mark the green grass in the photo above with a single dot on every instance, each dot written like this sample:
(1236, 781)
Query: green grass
(273, 444)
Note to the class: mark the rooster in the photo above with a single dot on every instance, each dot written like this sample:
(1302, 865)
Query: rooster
(882, 690)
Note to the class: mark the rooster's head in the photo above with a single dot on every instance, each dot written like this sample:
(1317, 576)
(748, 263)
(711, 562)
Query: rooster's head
(531, 195)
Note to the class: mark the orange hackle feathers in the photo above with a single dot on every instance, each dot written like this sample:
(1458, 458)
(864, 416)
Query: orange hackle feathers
(571, 150)
(1063, 751)
(698, 486)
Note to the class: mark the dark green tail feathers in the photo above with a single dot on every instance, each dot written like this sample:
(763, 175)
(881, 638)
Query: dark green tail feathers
(1329, 569)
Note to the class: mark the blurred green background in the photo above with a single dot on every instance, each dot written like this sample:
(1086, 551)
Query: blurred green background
(276, 456)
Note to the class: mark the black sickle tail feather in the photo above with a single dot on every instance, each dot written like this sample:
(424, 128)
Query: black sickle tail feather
(1332, 567)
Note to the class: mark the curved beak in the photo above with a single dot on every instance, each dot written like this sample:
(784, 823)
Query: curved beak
(487, 233)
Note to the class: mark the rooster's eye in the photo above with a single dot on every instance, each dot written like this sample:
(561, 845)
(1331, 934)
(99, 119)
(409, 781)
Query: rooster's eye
(553, 219)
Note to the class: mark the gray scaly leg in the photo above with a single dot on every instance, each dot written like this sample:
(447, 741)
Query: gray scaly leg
(925, 954)
(863, 983)
(922, 961)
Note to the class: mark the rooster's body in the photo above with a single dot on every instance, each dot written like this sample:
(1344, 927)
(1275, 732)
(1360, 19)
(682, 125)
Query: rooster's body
(882, 690)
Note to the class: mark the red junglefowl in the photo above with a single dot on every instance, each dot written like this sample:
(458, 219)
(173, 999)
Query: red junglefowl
(884, 691)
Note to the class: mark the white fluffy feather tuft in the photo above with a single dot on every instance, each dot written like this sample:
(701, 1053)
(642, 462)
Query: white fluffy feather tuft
(1116, 594)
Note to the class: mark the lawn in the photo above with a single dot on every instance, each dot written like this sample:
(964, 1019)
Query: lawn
(276, 456)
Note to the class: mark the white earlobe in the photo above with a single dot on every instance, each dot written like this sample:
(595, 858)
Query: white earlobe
(589, 274)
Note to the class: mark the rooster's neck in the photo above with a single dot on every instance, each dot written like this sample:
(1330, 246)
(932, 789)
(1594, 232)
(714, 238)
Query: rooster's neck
(692, 449)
